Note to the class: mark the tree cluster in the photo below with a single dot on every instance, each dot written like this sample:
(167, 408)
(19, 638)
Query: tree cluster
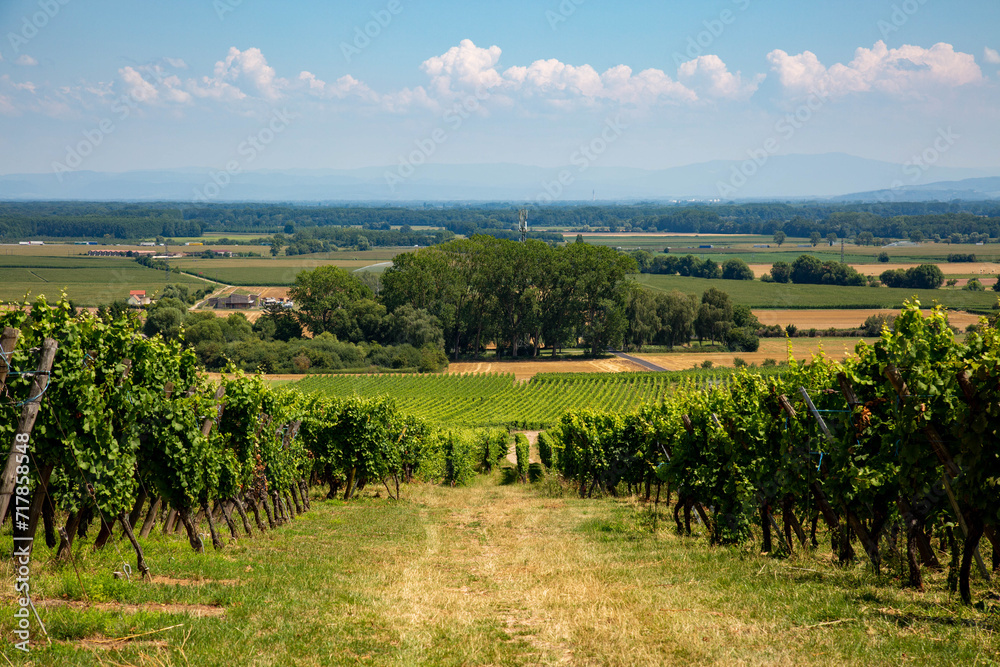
(520, 296)
(808, 270)
(925, 276)
(689, 265)
(671, 319)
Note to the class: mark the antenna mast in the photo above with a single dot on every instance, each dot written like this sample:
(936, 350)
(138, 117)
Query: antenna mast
(522, 217)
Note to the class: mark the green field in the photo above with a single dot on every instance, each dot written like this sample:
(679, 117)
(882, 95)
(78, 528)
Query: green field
(757, 294)
(495, 399)
(86, 285)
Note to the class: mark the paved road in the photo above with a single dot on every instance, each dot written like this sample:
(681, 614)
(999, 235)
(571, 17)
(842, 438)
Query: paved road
(635, 360)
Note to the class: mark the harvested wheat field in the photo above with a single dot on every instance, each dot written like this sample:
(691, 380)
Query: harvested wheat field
(770, 348)
(525, 370)
(823, 319)
(987, 269)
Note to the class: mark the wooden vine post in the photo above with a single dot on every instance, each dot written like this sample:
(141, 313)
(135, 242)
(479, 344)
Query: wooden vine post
(8, 341)
(24, 526)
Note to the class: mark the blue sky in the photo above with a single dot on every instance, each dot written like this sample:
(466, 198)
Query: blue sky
(116, 85)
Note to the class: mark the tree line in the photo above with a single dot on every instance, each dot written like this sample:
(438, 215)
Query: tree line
(952, 221)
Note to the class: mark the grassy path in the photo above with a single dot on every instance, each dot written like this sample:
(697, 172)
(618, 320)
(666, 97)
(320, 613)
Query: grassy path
(492, 575)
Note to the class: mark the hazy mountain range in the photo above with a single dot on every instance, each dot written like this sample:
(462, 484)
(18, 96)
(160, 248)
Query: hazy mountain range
(827, 176)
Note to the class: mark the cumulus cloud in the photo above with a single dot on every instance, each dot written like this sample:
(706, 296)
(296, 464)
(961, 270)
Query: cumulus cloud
(908, 70)
(465, 67)
(26, 61)
(243, 69)
(468, 68)
(712, 78)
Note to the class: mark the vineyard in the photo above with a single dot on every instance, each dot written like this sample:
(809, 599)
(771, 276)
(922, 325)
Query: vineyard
(891, 458)
(897, 451)
(109, 427)
(498, 400)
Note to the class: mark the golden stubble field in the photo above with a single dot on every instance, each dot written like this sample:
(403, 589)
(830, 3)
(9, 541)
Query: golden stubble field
(988, 270)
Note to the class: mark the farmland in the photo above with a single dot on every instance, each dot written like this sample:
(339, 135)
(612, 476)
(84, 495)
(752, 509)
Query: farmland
(89, 281)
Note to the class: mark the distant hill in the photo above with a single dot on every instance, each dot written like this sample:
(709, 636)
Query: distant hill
(969, 189)
(777, 177)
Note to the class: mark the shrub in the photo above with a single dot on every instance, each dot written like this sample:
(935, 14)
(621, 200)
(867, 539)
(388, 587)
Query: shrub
(961, 257)
(769, 363)
(873, 325)
(791, 330)
(739, 362)
(736, 269)
(974, 286)
(883, 257)
(952, 282)
(707, 364)
(460, 459)
(546, 448)
(742, 339)
(521, 449)
(996, 285)
(492, 446)
(781, 272)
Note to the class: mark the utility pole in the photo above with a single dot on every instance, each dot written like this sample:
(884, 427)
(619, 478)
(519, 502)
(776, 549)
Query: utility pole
(522, 217)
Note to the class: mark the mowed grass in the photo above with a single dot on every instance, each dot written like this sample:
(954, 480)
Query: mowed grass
(487, 575)
(757, 294)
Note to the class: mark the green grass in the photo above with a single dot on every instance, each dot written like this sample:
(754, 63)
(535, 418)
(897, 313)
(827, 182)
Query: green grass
(490, 575)
(757, 294)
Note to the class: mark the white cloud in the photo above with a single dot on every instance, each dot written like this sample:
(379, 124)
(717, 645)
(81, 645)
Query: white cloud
(992, 56)
(342, 88)
(21, 97)
(137, 87)
(26, 61)
(465, 67)
(908, 70)
(250, 66)
(712, 78)
(239, 72)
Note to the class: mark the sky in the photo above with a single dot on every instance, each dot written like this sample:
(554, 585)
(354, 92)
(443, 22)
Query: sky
(116, 85)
